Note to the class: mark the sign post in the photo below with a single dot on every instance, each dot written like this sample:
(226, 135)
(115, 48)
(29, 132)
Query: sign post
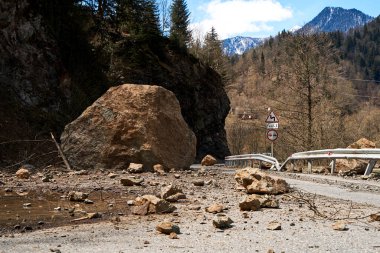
(272, 124)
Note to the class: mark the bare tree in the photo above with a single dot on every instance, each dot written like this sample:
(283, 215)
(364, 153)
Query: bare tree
(164, 8)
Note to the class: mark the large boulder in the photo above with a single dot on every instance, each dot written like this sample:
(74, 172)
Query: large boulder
(259, 182)
(354, 166)
(130, 124)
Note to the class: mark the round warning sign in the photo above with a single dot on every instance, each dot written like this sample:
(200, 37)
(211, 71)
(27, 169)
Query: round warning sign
(272, 135)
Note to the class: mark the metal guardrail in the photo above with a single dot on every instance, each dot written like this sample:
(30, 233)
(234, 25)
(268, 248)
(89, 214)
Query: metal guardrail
(371, 154)
(246, 160)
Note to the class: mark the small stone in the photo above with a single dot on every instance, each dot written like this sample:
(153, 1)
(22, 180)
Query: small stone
(131, 181)
(208, 160)
(177, 176)
(167, 228)
(245, 215)
(94, 215)
(159, 169)
(112, 175)
(146, 242)
(340, 226)
(292, 224)
(222, 221)
(130, 202)
(41, 223)
(135, 168)
(57, 208)
(173, 235)
(172, 193)
(77, 196)
(375, 217)
(250, 203)
(274, 225)
(23, 173)
(17, 226)
(199, 183)
(27, 205)
(215, 208)
(270, 251)
(8, 190)
(88, 201)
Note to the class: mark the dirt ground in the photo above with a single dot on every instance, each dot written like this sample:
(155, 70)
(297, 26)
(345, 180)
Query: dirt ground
(36, 216)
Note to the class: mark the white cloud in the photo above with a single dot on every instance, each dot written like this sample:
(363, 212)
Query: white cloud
(235, 17)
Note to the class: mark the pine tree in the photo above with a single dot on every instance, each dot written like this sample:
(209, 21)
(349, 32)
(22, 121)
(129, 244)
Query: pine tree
(213, 54)
(179, 29)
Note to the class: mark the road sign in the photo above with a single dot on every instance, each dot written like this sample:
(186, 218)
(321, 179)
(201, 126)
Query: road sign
(272, 125)
(272, 135)
(272, 118)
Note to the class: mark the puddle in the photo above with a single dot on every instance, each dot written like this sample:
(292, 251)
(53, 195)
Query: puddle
(40, 209)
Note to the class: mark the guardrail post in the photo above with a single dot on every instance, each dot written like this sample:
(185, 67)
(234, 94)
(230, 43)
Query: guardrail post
(309, 170)
(369, 168)
(333, 164)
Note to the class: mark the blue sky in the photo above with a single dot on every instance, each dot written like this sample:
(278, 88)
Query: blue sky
(262, 18)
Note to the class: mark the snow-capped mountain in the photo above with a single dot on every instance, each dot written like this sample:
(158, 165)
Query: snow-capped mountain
(332, 19)
(239, 44)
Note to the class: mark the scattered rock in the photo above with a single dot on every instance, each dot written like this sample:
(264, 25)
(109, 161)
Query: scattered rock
(88, 201)
(23, 173)
(130, 181)
(159, 169)
(172, 193)
(130, 202)
(57, 208)
(375, 217)
(269, 202)
(81, 172)
(199, 183)
(354, 166)
(362, 143)
(112, 175)
(168, 228)
(215, 208)
(173, 235)
(47, 178)
(176, 197)
(340, 226)
(77, 196)
(274, 225)
(130, 123)
(135, 168)
(222, 221)
(250, 203)
(208, 160)
(27, 205)
(259, 182)
(149, 204)
(177, 176)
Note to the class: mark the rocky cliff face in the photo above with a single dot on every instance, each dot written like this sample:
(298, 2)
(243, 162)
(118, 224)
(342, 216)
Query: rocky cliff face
(31, 92)
(204, 103)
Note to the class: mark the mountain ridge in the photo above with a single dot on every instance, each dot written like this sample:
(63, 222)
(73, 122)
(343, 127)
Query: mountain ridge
(330, 19)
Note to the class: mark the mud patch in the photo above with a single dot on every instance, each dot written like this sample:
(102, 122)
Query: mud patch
(37, 209)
